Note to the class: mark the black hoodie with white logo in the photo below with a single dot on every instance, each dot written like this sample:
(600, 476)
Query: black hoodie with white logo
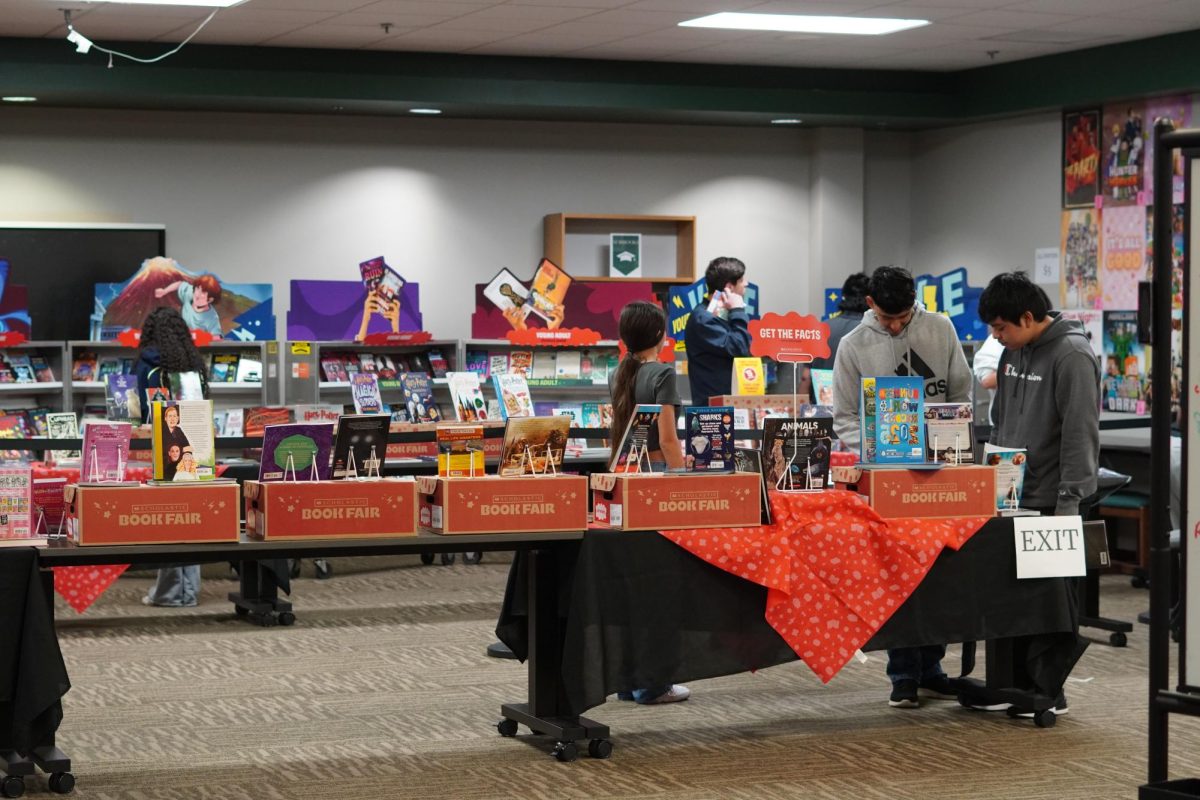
(1048, 402)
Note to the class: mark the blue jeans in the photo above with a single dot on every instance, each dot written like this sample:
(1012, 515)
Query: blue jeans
(642, 696)
(176, 586)
(916, 663)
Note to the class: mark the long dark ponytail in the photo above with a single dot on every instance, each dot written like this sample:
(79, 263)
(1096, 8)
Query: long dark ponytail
(641, 327)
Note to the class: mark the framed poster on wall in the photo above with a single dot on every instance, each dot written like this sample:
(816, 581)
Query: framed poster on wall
(1080, 158)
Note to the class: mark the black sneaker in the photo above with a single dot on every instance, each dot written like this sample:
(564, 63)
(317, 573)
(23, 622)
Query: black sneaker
(1060, 708)
(904, 695)
(939, 688)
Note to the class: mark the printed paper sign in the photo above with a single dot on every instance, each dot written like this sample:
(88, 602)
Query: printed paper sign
(1045, 265)
(789, 337)
(1049, 547)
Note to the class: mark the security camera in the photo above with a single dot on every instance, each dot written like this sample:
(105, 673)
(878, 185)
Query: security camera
(81, 42)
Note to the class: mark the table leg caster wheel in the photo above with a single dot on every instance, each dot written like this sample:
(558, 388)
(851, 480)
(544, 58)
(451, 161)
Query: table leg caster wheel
(324, 569)
(472, 558)
(1118, 639)
(447, 559)
(600, 748)
(287, 618)
(62, 782)
(1045, 719)
(12, 786)
(427, 558)
(264, 620)
(507, 727)
(241, 611)
(566, 752)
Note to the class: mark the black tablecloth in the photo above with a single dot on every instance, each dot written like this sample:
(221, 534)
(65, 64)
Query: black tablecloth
(637, 610)
(33, 677)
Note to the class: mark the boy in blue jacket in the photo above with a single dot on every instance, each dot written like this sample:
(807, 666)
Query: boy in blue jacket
(718, 332)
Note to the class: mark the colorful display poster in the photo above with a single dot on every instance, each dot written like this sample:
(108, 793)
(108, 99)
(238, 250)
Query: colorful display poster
(1177, 253)
(595, 306)
(1081, 158)
(1093, 323)
(1125, 364)
(682, 299)
(333, 311)
(1123, 255)
(1179, 111)
(951, 295)
(1079, 279)
(1124, 152)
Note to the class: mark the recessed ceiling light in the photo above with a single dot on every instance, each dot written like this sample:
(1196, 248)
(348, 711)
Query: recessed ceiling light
(16, 98)
(429, 111)
(803, 23)
(786, 121)
(205, 3)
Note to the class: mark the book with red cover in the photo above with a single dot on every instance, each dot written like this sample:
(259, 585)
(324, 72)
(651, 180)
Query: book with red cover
(257, 418)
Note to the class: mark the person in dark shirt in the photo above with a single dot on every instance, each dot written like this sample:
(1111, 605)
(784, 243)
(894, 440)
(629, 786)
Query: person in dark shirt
(851, 308)
(718, 331)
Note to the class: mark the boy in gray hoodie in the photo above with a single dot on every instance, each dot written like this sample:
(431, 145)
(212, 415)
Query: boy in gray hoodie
(899, 337)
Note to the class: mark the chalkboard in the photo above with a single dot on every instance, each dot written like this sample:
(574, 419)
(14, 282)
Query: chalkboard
(62, 265)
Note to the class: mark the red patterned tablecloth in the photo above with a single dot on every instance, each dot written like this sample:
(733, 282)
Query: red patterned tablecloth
(835, 571)
(82, 586)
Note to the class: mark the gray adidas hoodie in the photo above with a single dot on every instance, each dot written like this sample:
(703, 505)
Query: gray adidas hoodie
(927, 347)
(1048, 401)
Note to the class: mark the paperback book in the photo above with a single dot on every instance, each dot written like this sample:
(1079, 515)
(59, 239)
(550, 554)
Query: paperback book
(107, 366)
(224, 368)
(796, 452)
(469, 405)
(533, 445)
(497, 364)
(709, 438)
(298, 451)
(568, 366)
(822, 387)
(512, 390)
(544, 365)
(866, 421)
(49, 506)
(477, 362)
(63, 425)
(121, 400)
(360, 445)
(520, 362)
(22, 368)
(235, 423)
(364, 387)
(900, 420)
(16, 503)
(460, 451)
(438, 363)
(42, 369)
(747, 459)
(186, 386)
(84, 367)
(949, 433)
(334, 370)
(418, 397)
(631, 452)
(249, 370)
(184, 447)
(1010, 474)
(256, 418)
(105, 451)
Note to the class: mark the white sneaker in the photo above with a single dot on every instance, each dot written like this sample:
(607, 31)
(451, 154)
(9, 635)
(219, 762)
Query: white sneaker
(676, 693)
(992, 707)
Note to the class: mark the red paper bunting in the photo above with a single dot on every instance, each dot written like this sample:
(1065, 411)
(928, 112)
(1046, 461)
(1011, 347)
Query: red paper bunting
(132, 337)
(558, 337)
(12, 338)
(400, 338)
(666, 355)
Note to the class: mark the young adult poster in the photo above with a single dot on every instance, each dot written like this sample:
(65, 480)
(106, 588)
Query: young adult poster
(121, 399)
(709, 437)
(1178, 109)
(548, 292)
(465, 395)
(1124, 152)
(183, 441)
(105, 451)
(1092, 321)
(1079, 245)
(796, 452)
(361, 445)
(1123, 255)
(949, 433)
(1177, 252)
(532, 444)
(1081, 158)
(635, 438)
(900, 420)
(296, 452)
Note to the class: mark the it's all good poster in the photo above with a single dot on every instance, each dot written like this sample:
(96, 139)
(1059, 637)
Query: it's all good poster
(1123, 255)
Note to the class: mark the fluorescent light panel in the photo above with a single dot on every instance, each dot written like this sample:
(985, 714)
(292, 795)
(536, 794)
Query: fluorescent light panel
(803, 23)
(18, 98)
(204, 3)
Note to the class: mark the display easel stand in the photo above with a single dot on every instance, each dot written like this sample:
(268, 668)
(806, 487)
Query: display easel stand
(528, 457)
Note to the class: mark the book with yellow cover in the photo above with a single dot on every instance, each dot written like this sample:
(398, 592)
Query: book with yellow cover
(183, 445)
(460, 451)
(748, 377)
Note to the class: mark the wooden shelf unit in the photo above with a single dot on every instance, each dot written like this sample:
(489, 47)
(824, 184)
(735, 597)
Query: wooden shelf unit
(558, 228)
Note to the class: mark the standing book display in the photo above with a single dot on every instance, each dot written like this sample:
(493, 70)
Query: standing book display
(633, 449)
(796, 452)
(360, 444)
(105, 451)
(300, 450)
(709, 442)
(534, 445)
(183, 441)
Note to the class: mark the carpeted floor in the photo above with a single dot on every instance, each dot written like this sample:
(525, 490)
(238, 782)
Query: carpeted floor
(382, 690)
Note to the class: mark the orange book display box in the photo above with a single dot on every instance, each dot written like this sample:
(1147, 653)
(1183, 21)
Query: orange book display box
(177, 513)
(658, 502)
(347, 509)
(503, 505)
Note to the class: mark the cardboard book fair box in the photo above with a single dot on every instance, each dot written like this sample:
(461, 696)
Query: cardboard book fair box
(344, 509)
(178, 513)
(657, 502)
(967, 491)
(503, 505)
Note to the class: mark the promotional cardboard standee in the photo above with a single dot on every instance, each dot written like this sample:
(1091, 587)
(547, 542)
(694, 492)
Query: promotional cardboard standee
(653, 502)
(502, 505)
(343, 509)
(178, 513)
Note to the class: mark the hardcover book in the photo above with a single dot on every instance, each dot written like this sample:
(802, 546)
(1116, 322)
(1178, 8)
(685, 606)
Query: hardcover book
(549, 290)
(16, 503)
(256, 418)
(520, 362)
(822, 387)
(469, 405)
(899, 420)
(121, 399)
(867, 422)
(84, 367)
(635, 438)
(63, 425)
(360, 445)
(364, 386)
(183, 441)
(709, 437)
(1010, 474)
(532, 445)
(105, 451)
(224, 368)
(544, 365)
(591, 416)
(42, 369)
(299, 451)
(796, 452)
(249, 370)
(418, 397)
(22, 368)
(49, 506)
(186, 386)
(460, 451)
(512, 390)
(949, 433)
(747, 459)
(568, 365)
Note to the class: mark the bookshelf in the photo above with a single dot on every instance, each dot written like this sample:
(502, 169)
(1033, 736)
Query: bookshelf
(306, 382)
(579, 243)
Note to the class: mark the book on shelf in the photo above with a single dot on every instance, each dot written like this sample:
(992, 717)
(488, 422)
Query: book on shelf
(386, 366)
(950, 433)
(319, 412)
(533, 445)
(812, 410)
(235, 421)
(350, 364)
(548, 290)
(367, 363)
(544, 365)
(520, 362)
(512, 390)
(6, 373)
(16, 503)
(544, 408)
(249, 370)
(466, 397)
(298, 451)
(22, 367)
(460, 451)
(94, 411)
(37, 416)
(575, 414)
(106, 367)
(334, 369)
(186, 385)
(498, 364)
(438, 363)
(708, 437)
(419, 362)
(184, 447)
(822, 387)
(83, 368)
(748, 459)
(899, 420)
(121, 400)
(796, 452)
(220, 422)
(360, 445)
(63, 425)
(255, 419)
(587, 367)
(13, 426)
(590, 417)
(418, 397)
(49, 505)
(568, 366)
(224, 368)
(631, 452)
(364, 388)
(105, 451)
(42, 369)
(477, 362)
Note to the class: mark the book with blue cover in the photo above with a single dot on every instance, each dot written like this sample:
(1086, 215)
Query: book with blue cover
(709, 438)
(899, 420)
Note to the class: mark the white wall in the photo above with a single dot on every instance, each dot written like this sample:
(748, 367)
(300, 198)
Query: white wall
(258, 198)
(888, 199)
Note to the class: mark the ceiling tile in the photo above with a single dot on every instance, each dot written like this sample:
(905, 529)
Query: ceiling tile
(450, 8)
(694, 8)
(1178, 11)
(1021, 20)
(350, 37)
(1087, 7)
(572, 3)
(313, 5)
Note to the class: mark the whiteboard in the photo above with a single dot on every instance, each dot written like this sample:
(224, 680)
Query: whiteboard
(1191, 444)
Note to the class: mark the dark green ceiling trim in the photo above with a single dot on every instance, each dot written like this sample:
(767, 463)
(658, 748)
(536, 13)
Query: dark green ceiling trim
(282, 79)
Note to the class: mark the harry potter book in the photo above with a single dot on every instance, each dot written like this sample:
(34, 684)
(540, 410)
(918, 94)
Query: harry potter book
(469, 405)
(512, 390)
(364, 387)
(418, 397)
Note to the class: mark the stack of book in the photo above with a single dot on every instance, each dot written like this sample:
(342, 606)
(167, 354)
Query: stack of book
(339, 367)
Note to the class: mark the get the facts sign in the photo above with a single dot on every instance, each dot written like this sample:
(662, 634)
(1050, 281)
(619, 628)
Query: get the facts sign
(789, 337)
(1049, 547)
